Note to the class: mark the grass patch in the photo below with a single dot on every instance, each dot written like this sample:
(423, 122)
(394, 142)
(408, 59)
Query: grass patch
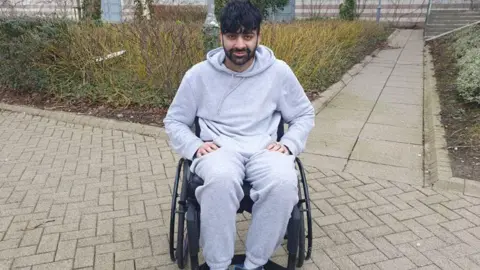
(456, 70)
(53, 62)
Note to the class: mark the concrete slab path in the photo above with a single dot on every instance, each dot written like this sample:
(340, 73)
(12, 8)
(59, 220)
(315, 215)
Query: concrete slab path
(374, 125)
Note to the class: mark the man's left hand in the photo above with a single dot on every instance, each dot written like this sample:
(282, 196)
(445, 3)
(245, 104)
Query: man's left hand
(278, 147)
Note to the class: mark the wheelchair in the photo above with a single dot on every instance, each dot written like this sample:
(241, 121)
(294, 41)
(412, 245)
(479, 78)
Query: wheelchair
(188, 235)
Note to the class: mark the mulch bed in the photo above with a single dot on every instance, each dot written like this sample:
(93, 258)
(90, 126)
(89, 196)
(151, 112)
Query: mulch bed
(461, 121)
(136, 114)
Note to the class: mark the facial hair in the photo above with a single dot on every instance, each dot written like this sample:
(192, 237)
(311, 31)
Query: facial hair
(240, 60)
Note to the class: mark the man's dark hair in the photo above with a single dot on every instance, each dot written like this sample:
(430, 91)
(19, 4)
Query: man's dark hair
(240, 15)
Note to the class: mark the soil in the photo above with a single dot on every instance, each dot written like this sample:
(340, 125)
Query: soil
(460, 120)
(137, 114)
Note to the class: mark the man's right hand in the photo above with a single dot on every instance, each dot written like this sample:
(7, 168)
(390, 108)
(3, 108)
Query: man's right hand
(206, 148)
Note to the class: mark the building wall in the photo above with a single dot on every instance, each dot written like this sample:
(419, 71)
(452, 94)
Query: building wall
(395, 11)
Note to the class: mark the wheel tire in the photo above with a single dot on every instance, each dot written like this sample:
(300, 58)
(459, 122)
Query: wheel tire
(173, 211)
(181, 248)
(301, 237)
(181, 251)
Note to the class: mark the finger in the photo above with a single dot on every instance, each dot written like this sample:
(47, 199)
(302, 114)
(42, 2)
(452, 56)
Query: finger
(270, 146)
(209, 149)
(214, 146)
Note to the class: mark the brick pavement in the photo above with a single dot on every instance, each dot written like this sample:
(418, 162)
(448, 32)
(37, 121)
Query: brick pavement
(76, 197)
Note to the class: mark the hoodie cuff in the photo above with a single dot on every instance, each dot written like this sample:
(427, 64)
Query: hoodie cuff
(192, 149)
(290, 145)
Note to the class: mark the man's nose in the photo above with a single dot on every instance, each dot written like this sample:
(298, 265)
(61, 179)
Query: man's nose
(240, 43)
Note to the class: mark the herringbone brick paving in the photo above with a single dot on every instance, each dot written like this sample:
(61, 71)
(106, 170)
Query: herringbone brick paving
(76, 197)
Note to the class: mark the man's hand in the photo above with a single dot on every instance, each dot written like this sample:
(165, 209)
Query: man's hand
(206, 148)
(278, 147)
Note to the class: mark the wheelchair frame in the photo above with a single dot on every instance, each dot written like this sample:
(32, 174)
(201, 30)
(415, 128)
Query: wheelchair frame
(188, 209)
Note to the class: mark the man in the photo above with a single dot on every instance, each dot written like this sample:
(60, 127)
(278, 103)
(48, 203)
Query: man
(239, 94)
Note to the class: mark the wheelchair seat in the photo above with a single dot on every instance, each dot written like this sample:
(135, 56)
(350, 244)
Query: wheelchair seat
(194, 181)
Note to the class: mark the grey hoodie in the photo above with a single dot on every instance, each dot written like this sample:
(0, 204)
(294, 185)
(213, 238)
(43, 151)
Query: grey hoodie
(239, 110)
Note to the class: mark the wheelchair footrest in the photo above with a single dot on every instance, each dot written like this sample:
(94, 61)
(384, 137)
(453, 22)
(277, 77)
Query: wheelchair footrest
(240, 258)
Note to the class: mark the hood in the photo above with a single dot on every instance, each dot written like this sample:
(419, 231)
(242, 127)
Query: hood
(264, 58)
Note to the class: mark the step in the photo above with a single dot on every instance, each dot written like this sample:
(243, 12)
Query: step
(434, 33)
(443, 28)
(452, 11)
(455, 17)
(455, 22)
(450, 25)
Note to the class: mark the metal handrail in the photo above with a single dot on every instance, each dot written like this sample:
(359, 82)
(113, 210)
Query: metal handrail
(429, 8)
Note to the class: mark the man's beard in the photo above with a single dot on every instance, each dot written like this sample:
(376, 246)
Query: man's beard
(240, 60)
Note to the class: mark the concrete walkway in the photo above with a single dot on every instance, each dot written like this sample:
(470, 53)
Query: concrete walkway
(78, 197)
(373, 127)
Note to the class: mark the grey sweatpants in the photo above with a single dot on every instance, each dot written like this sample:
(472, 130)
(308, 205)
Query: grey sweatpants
(274, 193)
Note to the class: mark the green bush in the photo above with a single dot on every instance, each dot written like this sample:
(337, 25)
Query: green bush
(58, 59)
(25, 51)
(468, 80)
(348, 10)
(465, 40)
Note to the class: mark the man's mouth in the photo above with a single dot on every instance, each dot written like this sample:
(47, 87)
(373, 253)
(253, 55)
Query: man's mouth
(240, 54)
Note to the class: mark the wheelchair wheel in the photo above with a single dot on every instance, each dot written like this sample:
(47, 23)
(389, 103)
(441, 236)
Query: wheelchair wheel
(308, 210)
(179, 252)
(301, 237)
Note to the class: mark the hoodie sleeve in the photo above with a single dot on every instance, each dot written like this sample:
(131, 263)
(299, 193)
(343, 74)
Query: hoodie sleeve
(179, 119)
(297, 111)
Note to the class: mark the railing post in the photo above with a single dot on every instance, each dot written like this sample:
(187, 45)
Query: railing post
(429, 7)
(379, 8)
(211, 29)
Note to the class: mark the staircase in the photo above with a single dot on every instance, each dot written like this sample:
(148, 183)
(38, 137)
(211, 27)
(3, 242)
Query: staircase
(441, 20)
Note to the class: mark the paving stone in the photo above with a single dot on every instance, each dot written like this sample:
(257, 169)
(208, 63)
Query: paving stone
(360, 241)
(342, 250)
(402, 237)
(322, 259)
(378, 231)
(58, 265)
(368, 257)
(398, 263)
(457, 225)
(378, 132)
(386, 248)
(440, 260)
(389, 153)
(345, 263)
(353, 225)
(414, 255)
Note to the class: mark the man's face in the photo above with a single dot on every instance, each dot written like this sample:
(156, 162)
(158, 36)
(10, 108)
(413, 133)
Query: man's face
(240, 47)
